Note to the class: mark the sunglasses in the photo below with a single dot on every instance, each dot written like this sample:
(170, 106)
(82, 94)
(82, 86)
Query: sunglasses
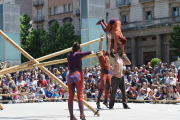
(171, 87)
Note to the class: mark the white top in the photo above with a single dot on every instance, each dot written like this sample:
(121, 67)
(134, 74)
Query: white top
(167, 80)
(34, 83)
(32, 96)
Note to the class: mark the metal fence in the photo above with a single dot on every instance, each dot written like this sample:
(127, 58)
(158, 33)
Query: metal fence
(145, 1)
(146, 23)
(38, 18)
(38, 2)
(122, 2)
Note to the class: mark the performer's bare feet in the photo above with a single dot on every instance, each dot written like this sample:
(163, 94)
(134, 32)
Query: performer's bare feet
(99, 22)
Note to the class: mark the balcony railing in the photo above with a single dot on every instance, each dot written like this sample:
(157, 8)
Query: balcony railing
(38, 18)
(143, 1)
(120, 3)
(38, 2)
(77, 11)
(150, 23)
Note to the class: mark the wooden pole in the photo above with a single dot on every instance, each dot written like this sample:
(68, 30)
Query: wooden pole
(44, 69)
(13, 94)
(53, 62)
(1, 107)
(44, 57)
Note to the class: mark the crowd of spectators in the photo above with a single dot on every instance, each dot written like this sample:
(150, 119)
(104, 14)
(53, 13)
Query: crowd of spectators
(144, 83)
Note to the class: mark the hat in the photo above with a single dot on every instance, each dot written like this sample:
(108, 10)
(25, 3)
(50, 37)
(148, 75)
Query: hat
(90, 75)
(60, 68)
(132, 89)
(38, 88)
(55, 89)
(60, 77)
(149, 75)
(31, 89)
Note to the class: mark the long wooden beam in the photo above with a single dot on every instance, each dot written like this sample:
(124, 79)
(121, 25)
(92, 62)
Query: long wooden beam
(51, 63)
(44, 69)
(13, 94)
(47, 56)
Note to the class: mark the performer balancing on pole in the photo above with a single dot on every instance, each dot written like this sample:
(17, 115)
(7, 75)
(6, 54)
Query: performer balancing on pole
(75, 79)
(118, 78)
(105, 82)
(114, 25)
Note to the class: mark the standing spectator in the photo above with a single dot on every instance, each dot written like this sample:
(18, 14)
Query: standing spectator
(165, 69)
(144, 70)
(41, 81)
(66, 73)
(172, 66)
(148, 66)
(159, 69)
(60, 70)
(91, 79)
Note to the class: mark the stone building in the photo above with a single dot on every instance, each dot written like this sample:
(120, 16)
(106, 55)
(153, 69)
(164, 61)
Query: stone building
(146, 24)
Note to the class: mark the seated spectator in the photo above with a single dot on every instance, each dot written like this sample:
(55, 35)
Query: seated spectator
(178, 86)
(66, 95)
(130, 79)
(142, 79)
(15, 97)
(65, 73)
(151, 93)
(173, 94)
(32, 96)
(91, 79)
(56, 96)
(164, 93)
(20, 81)
(131, 93)
(171, 81)
(134, 83)
(170, 75)
(1, 91)
(39, 94)
(42, 82)
(165, 69)
(33, 73)
(88, 91)
(143, 70)
(32, 83)
(158, 94)
(158, 80)
(7, 97)
(65, 80)
(26, 79)
(149, 78)
(93, 88)
(48, 93)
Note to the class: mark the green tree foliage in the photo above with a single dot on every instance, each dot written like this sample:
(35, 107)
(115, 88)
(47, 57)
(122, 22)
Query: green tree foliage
(59, 38)
(175, 40)
(154, 62)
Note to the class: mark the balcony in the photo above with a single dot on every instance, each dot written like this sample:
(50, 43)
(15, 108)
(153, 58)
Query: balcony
(78, 12)
(121, 3)
(38, 2)
(144, 1)
(38, 19)
(150, 23)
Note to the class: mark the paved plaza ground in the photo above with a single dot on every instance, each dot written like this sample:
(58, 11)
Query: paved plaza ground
(59, 111)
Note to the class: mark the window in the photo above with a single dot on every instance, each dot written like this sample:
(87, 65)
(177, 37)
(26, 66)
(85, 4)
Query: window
(175, 11)
(56, 10)
(52, 11)
(70, 7)
(66, 8)
(107, 2)
(61, 9)
(148, 15)
(39, 14)
(153, 38)
(143, 39)
(125, 18)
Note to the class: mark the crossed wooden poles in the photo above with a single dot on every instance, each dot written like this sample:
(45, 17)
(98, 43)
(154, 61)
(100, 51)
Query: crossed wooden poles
(35, 62)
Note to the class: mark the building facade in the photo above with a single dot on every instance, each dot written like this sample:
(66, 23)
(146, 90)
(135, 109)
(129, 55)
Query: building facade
(146, 24)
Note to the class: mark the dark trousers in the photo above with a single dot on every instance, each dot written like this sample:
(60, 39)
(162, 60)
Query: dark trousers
(118, 82)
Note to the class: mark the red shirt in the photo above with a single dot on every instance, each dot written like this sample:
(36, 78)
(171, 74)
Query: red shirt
(43, 83)
(104, 61)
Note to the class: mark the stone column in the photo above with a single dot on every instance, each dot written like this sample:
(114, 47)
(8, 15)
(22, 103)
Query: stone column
(158, 46)
(133, 51)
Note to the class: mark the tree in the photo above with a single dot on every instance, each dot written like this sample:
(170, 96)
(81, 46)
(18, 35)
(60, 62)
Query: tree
(34, 43)
(154, 62)
(59, 38)
(25, 30)
(175, 40)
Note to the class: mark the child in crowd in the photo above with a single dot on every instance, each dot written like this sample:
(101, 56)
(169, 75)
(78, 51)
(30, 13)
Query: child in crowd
(15, 97)
(39, 95)
(56, 96)
(48, 93)
(7, 97)
(32, 95)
